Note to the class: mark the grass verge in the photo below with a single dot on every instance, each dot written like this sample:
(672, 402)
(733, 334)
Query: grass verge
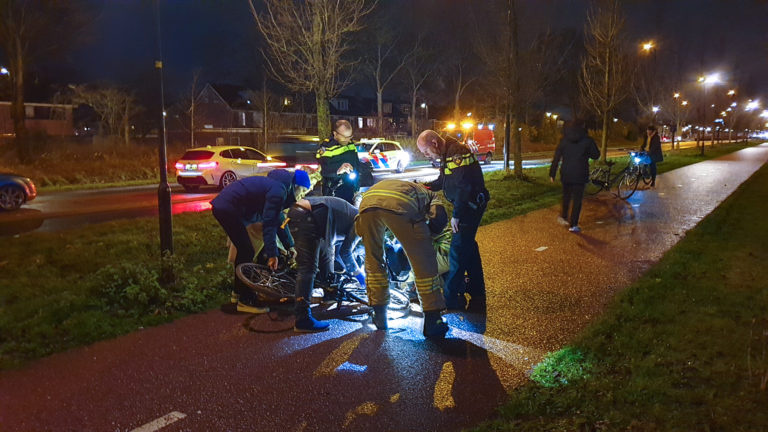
(684, 348)
(72, 288)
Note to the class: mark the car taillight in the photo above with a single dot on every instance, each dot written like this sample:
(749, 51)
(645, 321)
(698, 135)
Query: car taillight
(179, 166)
(208, 165)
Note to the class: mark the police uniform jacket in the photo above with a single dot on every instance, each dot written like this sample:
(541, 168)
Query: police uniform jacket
(401, 197)
(331, 156)
(461, 179)
(335, 219)
(261, 199)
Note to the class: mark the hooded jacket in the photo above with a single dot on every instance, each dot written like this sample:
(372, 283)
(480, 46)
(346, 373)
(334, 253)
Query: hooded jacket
(576, 148)
(261, 199)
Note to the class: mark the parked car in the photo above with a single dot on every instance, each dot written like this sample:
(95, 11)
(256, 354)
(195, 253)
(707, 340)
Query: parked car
(383, 154)
(295, 150)
(221, 165)
(15, 190)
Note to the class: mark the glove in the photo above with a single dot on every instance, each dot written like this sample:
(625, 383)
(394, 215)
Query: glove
(360, 278)
(292, 253)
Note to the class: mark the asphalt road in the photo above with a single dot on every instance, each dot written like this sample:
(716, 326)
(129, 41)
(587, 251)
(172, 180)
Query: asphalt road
(58, 211)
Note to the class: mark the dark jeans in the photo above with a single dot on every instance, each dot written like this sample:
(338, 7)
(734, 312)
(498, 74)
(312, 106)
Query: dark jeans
(652, 165)
(572, 192)
(233, 225)
(307, 242)
(464, 257)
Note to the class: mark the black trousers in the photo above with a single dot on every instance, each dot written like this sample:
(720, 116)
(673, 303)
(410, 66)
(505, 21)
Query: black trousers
(652, 165)
(572, 192)
(233, 225)
(309, 254)
(464, 257)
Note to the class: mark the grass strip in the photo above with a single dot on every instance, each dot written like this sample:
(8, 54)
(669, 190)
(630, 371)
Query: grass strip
(683, 348)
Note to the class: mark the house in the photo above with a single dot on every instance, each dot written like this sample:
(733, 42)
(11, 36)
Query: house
(52, 119)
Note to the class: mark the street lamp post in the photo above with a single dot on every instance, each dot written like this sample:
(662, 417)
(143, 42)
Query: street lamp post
(163, 189)
(425, 107)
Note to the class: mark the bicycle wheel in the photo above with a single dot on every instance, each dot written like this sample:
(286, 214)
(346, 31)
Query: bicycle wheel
(596, 181)
(645, 172)
(627, 184)
(260, 278)
(398, 299)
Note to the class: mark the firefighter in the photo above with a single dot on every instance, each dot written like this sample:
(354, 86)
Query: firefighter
(461, 180)
(339, 164)
(403, 208)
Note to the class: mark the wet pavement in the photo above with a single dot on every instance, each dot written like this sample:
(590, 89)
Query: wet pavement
(221, 371)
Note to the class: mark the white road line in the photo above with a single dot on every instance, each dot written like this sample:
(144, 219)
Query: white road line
(160, 423)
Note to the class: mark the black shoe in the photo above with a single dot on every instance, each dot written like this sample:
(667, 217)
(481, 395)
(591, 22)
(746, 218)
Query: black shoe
(380, 317)
(434, 326)
(306, 323)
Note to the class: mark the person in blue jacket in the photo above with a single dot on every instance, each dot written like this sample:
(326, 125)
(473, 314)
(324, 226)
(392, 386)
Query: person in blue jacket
(258, 199)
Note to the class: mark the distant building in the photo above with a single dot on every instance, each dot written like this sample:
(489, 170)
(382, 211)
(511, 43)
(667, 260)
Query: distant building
(53, 119)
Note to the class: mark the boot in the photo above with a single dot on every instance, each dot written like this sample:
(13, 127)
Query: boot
(434, 326)
(380, 317)
(305, 322)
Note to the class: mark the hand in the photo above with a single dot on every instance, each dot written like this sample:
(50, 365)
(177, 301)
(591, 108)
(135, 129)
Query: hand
(454, 225)
(344, 168)
(272, 263)
(292, 253)
(360, 278)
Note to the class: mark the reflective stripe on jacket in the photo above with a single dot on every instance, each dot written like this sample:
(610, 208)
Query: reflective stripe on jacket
(400, 197)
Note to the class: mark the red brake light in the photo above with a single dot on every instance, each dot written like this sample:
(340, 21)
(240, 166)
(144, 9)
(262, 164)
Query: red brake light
(179, 166)
(207, 165)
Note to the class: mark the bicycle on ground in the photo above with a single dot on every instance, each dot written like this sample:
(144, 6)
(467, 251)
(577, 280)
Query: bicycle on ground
(601, 176)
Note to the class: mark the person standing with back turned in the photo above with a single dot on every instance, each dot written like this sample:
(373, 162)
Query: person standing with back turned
(576, 148)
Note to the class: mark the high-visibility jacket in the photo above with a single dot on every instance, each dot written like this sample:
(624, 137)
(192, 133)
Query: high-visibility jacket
(461, 179)
(331, 156)
(401, 197)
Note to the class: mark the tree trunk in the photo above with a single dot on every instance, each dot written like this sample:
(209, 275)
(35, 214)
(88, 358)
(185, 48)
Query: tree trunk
(604, 139)
(192, 124)
(264, 110)
(380, 108)
(456, 108)
(413, 115)
(516, 94)
(323, 114)
(127, 124)
(17, 110)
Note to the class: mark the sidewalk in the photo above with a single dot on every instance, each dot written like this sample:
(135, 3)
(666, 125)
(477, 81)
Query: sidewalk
(544, 284)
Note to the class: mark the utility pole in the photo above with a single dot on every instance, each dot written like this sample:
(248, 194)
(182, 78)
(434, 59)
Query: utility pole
(163, 189)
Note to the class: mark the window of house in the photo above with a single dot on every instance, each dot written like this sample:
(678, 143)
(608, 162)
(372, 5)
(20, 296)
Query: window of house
(359, 122)
(29, 111)
(242, 121)
(370, 122)
(340, 104)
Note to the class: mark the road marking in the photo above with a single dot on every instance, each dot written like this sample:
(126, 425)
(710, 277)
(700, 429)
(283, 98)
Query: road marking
(339, 356)
(541, 249)
(443, 398)
(366, 408)
(160, 423)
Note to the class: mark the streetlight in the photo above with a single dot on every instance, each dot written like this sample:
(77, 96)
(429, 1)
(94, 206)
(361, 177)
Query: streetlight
(4, 71)
(647, 46)
(425, 107)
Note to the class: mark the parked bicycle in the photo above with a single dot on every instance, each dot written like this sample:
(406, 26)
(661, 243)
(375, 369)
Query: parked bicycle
(601, 176)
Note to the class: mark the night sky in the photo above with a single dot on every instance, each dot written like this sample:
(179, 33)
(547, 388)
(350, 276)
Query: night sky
(218, 37)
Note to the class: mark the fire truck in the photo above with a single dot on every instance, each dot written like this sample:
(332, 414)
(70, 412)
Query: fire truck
(477, 137)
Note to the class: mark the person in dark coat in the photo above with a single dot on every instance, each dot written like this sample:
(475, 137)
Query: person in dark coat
(323, 228)
(575, 150)
(258, 199)
(654, 150)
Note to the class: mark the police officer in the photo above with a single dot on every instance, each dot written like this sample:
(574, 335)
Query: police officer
(461, 180)
(404, 208)
(339, 164)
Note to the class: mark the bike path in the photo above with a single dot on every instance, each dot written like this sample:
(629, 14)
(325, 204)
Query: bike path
(214, 371)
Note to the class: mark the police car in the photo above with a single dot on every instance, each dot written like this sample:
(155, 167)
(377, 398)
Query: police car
(383, 154)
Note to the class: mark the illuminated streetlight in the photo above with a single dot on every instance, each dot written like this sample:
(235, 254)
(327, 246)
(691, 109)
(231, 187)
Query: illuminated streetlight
(615, 120)
(469, 114)
(752, 105)
(549, 114)
(554, 116)
(684, 103)
(733, 104)
(451, 126)
(4, 71)
(655, 109)
(713, 78)
(677, 95)
(648, 46)
(731, 92)
(423, 105)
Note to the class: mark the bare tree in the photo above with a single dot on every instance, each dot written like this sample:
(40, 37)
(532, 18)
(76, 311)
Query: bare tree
(307, 43)
(461, 80)
(192, 95)
(418, 69)
(30, 30)
(385, 63)
(115, 108)
(605, 76)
